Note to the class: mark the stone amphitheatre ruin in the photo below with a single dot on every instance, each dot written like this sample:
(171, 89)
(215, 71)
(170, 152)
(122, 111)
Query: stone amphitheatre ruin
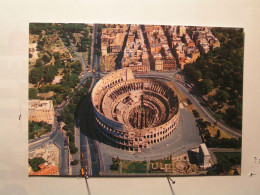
(133, 114)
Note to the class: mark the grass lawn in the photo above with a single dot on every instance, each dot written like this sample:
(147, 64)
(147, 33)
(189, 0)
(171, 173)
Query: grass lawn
(37, 127)
(37, 130)
(133, 166)
(116, 171)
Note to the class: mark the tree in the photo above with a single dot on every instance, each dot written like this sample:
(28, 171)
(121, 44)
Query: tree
(33, 93)
(195, 113)
(35, 162)
(207, 135)
(72, 147)
(65, 127)
(46, 58)
(218, 116)
(219, 82)
(211, 99)
(238, 107)
(50, 73)
(206, 86)
(204, 124)
(70, 134)
(83, 48)
(35, 75)
(197, 75)
(74, 162)
(98, 51)
(48, 128)
(225, 165)
(222, 95)
(31, 126)
(218, 134)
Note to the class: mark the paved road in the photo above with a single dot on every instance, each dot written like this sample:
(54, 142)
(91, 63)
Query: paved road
(64, 155)
(84, 66)
(95, 57)
(203, 111)
(94, 156)
(85, 154)
(92, 160)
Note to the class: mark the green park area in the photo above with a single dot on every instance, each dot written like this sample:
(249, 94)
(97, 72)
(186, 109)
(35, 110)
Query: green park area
(56, 72)
(42, 77)
(127, 167)
(37, 129)
(227, 163)
(133, 166)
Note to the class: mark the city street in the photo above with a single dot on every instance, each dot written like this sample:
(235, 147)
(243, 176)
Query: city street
(91, 160)
(90, 155)
(85, 154)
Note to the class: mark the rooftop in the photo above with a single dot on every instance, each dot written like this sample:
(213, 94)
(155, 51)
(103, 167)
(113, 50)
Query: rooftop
(40, 104)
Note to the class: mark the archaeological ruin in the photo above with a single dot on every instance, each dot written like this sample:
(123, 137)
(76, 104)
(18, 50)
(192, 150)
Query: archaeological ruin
(132, 114)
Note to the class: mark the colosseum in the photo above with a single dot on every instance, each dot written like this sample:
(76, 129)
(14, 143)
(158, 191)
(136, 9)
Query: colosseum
(133, 114)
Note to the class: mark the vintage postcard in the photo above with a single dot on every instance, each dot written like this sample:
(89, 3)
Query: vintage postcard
(134, 100)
